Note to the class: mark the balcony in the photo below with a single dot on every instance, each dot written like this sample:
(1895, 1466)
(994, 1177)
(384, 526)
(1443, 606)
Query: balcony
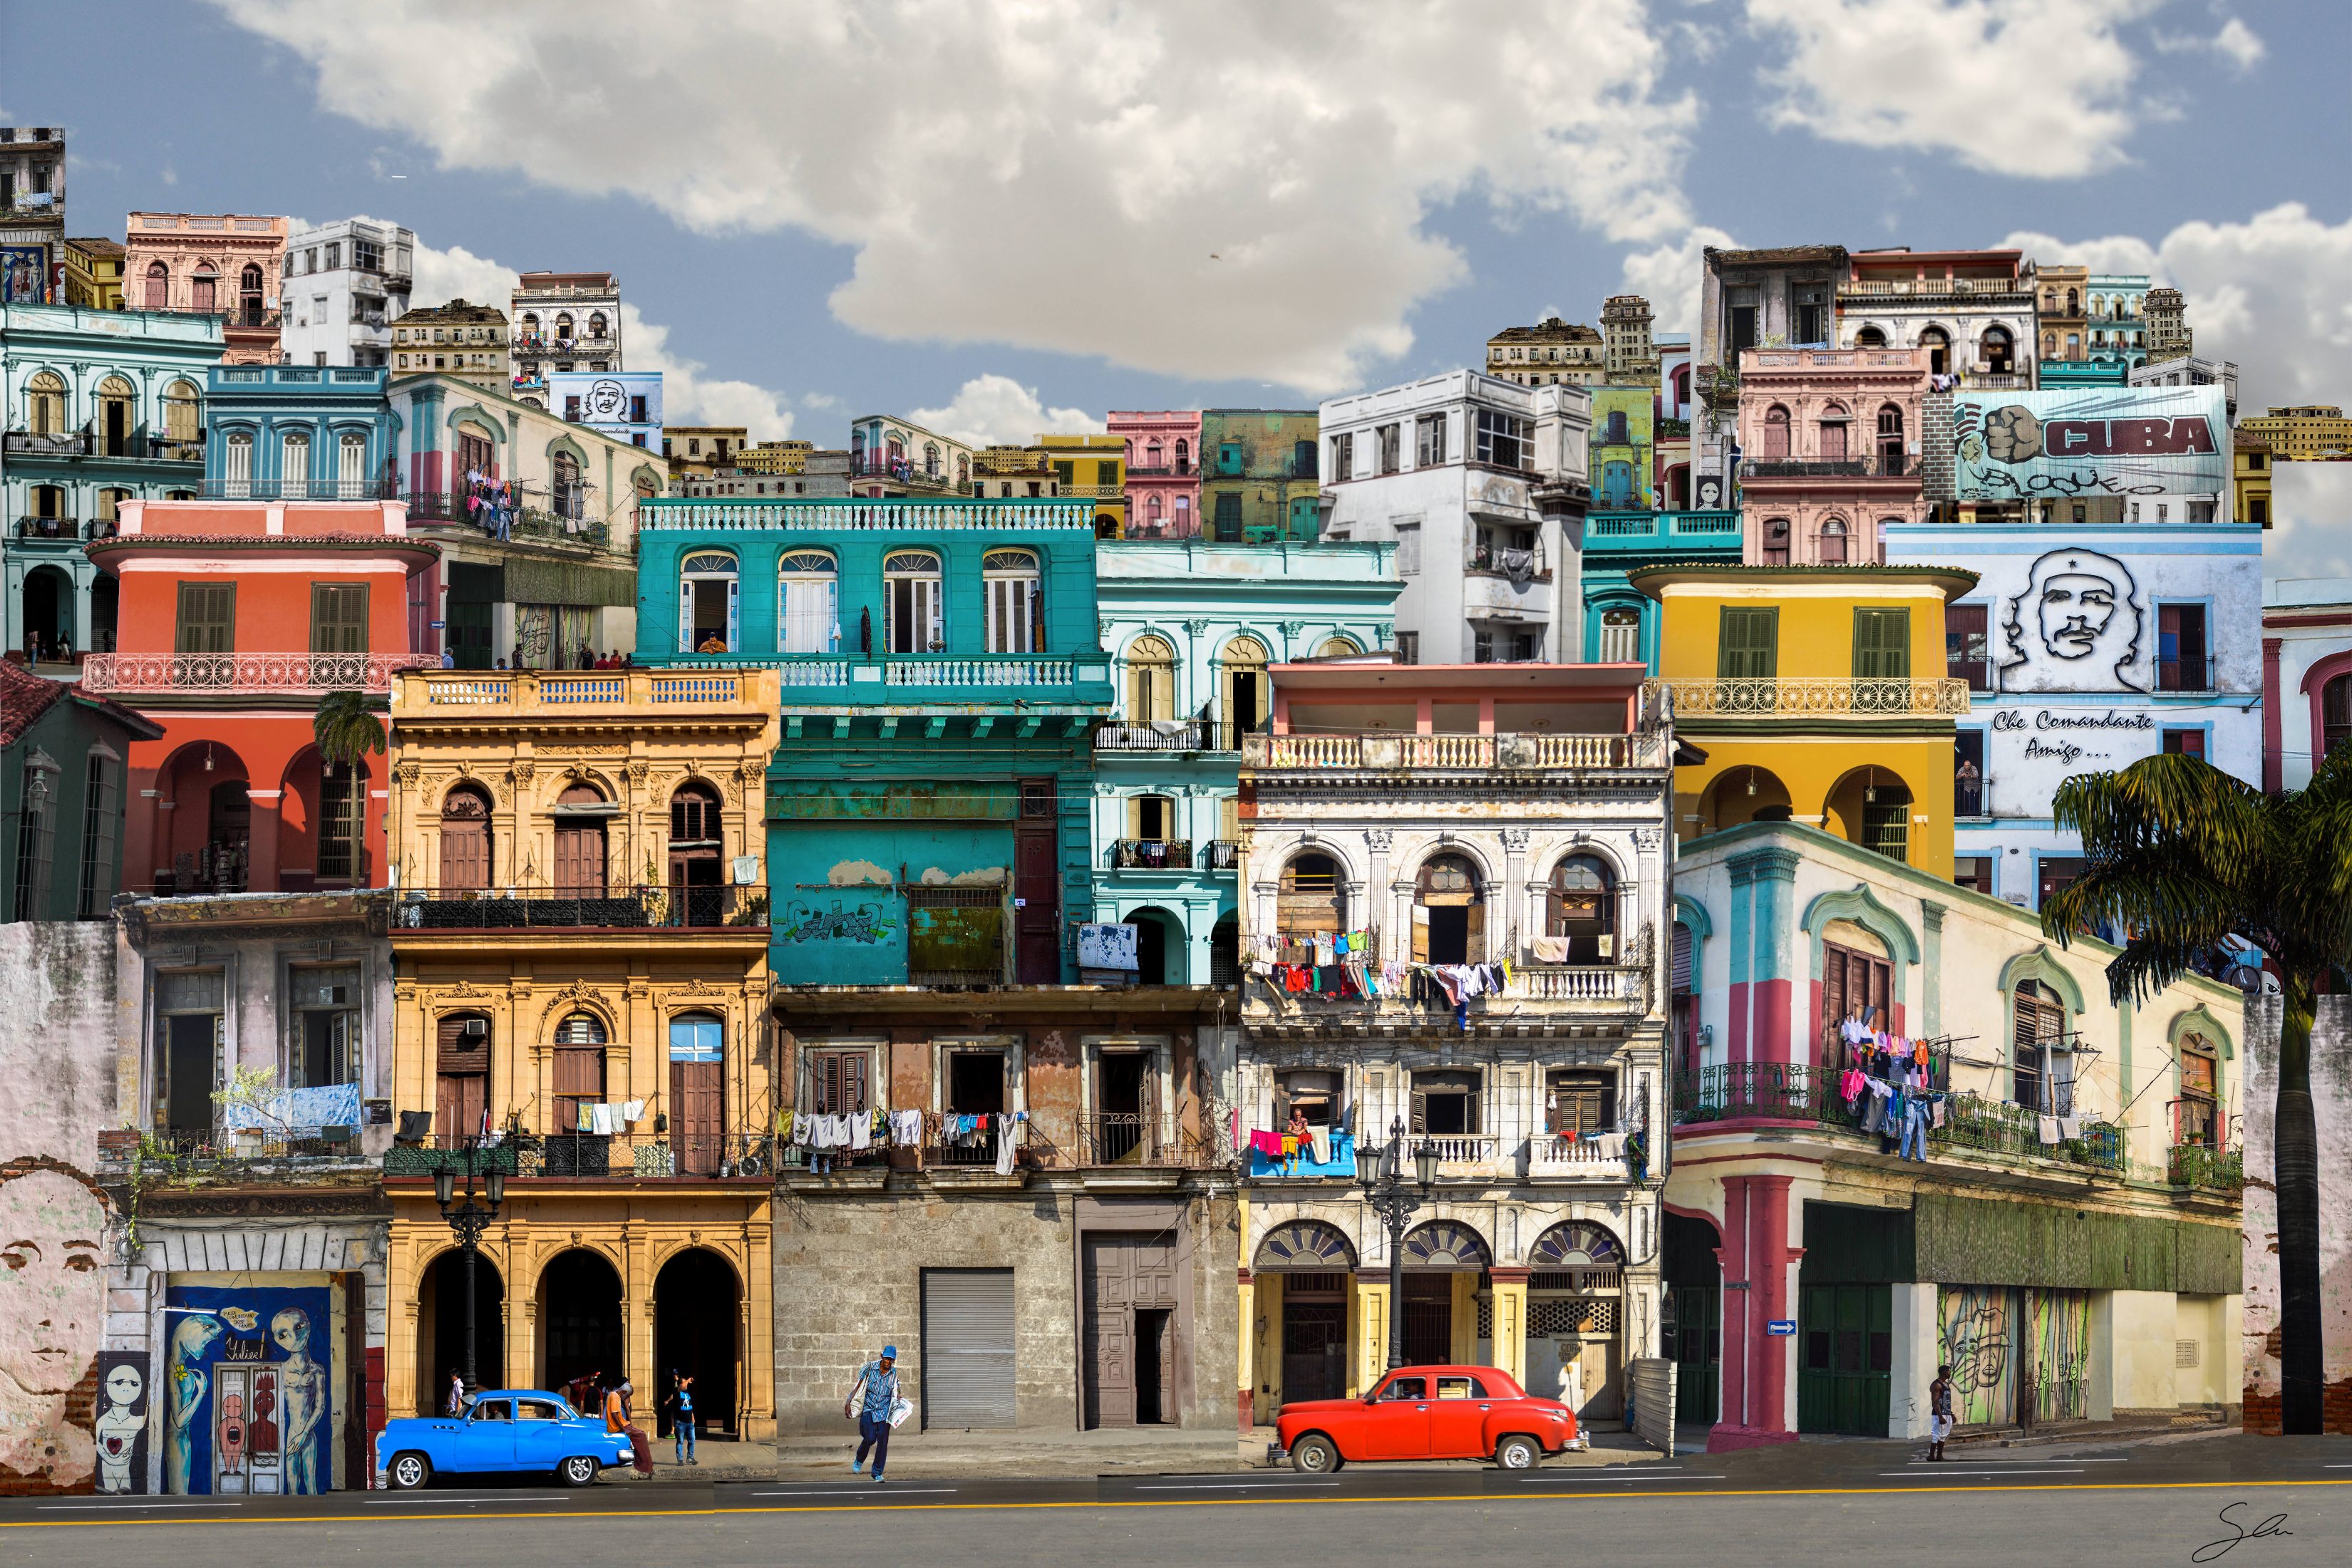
(497, 696)
(901, 471)
(924, 680)
(1554, 1158)
(1519, 566)
(1095, 492)
(1117, 1141)
(1151, 854)
(535, 524)
(1645, 532)
(298, 489)
(1606, 983)
(1303, 1166)
(1395, 752)
(1757, 360)
(629, 1155)
(140, 445)
(1875, 466)
(136, 675)
(62, 530)
(1931, 288)
(1169, 735)
(1995, 381)
(1973, 1126)
(879, 514)
(1810, 698)
(247, 317)
(2190, 672)
(2206, 1168)
(739, 906)
(183, 1157)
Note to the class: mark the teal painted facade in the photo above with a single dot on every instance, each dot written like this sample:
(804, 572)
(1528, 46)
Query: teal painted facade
(1618, 544)
(62, 785)
(99, 407)
(927, 809)
(298, 431)
(1184, 619)
(2063, 372)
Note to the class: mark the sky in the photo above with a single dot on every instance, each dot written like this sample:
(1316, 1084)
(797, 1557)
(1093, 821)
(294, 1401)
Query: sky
(1003, 217)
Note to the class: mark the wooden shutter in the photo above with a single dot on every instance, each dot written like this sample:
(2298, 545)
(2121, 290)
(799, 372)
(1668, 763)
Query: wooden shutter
(1473, 942)
(579, 858)
(1686, 975)
(462, 1078)
(1881, 645)
(207, 618)
(1420, 1110)
(696, 1129)
(464, 854)
(1834, 1001)
(1420, 933)
(339, 617)
(1748, 643)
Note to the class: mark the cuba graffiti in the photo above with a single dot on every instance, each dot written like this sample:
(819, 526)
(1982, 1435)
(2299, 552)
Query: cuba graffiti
(2113, 441)
(53, 1223)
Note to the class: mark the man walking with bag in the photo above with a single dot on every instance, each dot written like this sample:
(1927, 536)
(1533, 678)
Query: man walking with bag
(873, 1400)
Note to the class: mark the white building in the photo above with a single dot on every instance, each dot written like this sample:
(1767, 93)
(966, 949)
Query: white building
(1482, 485)
(1439, 818)
(345, 283)
(1971, 311)
(2306, 676)
(563, 322)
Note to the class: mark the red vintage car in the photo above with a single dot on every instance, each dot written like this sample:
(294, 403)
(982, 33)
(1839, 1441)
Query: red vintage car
(1425, 1412)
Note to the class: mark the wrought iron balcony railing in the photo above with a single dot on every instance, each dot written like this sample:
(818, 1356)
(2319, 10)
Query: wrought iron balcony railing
(2208, 1166)
(1151, 854)
(647, 908)
(1786, 1091)
(631, 1153)
(297, 674)
(1811, 697)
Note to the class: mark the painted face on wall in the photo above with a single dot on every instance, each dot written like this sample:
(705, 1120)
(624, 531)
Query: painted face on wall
(52, 1280)
(2075, 608)
(2075, 626)
(123, 1386)
(291, 1330)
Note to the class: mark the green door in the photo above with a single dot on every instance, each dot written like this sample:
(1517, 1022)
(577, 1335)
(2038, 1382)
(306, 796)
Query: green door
(1698, 1350)
(468, 635)
(1845, 1350)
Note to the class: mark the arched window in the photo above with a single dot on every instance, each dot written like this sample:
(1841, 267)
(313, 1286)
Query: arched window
(1014, 595)
(1150, 679)
(708, 604)
(596, 325)
(1776, 433)
(563, 326)
(698, 832)
(1998, 349)
(931, 459)
(1152, 521)
(109, 506)
(1939, 344)
(1580, 911)
(2197, 1120)
(912, 609)
(579, 1071)
(237, 472)
(1833, 543)
(1242, 686)
(570, 501)
(159, 286)
(1311, 899)
(343, 814)
(2049, 345)
(2335, 713)
(248, 296)
(1449, 912)
(2043, 1075)
(350, 466)
(1152, 454)
(117, 418)
(465, 841)
(1775, 541)
(294, 465)
(580, 843)
(964, 470)
(1890, 437)
(808, 582)
(45, 401)
(1834, 423)
(1338, 647)
(1621, 637)
(1184, 455)
(530, 324)
(204, 294)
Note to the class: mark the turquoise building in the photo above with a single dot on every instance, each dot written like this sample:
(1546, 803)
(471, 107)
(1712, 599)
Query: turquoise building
(292, 432)
(942, 682)
(61, 792)
(99, 407)
(1193, 625)
(1621, 624)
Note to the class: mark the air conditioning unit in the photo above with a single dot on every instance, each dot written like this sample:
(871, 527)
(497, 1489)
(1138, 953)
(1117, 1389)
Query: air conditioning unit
(477, 1027)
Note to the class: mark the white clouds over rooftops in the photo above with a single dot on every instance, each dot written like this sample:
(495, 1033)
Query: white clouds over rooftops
(1025, 171)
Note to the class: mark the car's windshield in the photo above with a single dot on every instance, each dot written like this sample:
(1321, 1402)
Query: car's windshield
(1406, 1388)
(494, 1410)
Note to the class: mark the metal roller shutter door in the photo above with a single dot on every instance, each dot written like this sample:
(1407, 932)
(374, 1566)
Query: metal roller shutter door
(966, 1347)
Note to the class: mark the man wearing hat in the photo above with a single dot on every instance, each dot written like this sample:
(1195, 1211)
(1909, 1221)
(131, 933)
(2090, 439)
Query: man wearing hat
(871, 1400)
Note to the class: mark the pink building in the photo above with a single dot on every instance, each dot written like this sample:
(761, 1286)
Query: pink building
(1829, 452)
(1163, 472)
(218, 265)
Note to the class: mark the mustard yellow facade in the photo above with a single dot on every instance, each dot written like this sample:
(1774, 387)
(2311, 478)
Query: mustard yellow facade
(1818, 694)
(1093, 467)
(579, 941)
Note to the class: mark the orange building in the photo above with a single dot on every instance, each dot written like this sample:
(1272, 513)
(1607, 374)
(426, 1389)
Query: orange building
(238, 618)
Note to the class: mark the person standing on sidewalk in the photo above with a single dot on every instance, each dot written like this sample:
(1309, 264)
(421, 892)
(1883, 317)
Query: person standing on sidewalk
(1940, 1412)
(871, 1400)
(681, 1427)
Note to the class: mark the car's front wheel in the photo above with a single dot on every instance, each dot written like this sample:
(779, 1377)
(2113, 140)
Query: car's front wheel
(579, 1470)
(409, 1471)
(1519, 1453)
(1316, 1454)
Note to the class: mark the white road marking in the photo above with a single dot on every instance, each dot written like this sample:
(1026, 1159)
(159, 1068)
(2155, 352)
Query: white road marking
(53, 1506)
(466, 1496)
(2052, 1459)
(1915, 1474)
(1531, 1479)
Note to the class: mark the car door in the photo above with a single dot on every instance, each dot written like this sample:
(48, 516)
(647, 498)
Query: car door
(486, 1440)
(544, 1436)
(1396, 1423)
(1457, 1417)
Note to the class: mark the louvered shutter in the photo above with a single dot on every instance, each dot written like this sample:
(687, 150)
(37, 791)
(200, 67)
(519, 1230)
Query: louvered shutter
(1684, 975)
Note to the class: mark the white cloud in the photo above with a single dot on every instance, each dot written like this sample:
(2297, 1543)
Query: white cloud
(2311, 536)
(688, 395)
(1054, 174)
(1670, 278)
(2236, 42)
(2038, 88)
(998, 410)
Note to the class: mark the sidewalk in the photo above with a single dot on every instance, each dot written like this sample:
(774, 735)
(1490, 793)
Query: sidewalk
(1131, 1450)
(722, 1461)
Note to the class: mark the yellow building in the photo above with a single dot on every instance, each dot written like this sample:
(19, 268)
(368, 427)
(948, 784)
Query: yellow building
(1003, 471)
(1817, 695)
(1094, 467)
(2250, 477)
(580, 945)
(774, 458)
(2314, 433)
(94, 273)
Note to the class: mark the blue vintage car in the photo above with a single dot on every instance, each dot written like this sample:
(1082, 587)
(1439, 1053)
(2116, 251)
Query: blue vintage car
(505, 1431)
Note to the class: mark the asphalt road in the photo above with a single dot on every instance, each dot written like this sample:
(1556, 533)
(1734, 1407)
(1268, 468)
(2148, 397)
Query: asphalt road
(2241, 1500)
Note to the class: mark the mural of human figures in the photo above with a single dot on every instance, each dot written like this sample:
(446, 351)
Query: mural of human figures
(252, 1374)
(303, 1385)
(121, 1426)
(52, 1310)
(1977, 1338)
(193, 1338)
(2076, 626)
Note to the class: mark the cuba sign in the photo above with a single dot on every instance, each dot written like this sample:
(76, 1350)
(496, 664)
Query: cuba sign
(2090, 441)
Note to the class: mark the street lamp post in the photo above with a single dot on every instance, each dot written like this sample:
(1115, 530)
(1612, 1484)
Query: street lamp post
(469, 1219)
(1381, 1171)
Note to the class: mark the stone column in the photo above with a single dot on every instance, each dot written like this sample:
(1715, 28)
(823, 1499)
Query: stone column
(1376, 846)
(1510, 1351)
(1247, 1342)
(1513, 903)
(1756, 1264)
(1367, 1322)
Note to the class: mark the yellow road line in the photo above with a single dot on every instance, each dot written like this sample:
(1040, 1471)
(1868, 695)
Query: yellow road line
(589, 1517)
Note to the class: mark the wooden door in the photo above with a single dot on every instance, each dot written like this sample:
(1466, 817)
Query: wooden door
(462, 1088)
(580, 858)
(465, 843)
(696, 1110)
(1037, 886)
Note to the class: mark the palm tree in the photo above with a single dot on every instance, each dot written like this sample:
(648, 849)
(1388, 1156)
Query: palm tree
(346, 726)
(2181, 856)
